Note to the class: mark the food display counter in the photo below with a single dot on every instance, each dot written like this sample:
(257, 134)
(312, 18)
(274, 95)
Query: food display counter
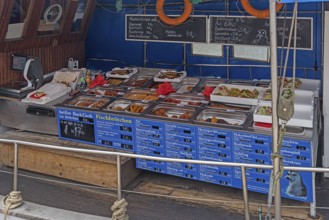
(189, 125)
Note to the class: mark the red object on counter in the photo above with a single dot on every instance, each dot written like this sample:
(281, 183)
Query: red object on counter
(165, 89)
(98, 81)
(38, 95)
(263, 124)
(207, 91)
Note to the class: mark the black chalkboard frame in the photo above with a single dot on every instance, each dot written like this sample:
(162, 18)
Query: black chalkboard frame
(310, 48)
(206, 32)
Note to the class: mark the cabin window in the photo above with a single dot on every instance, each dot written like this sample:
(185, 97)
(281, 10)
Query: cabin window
(18, 19)
(51, 17)
(211, 50)
(79, 15)
(251, 52)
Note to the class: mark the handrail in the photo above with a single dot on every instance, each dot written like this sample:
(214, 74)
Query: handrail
(165, 159)
(118, 155)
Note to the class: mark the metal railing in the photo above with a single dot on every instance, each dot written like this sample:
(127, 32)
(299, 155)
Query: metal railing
(118, 155)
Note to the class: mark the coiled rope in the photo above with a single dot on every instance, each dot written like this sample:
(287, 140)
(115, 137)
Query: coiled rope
(12, 201)
(119, 209)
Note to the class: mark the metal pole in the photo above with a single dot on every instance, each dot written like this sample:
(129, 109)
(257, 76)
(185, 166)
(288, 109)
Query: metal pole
(119, 177)
(245, 193)
(275, 121)
(15, 167)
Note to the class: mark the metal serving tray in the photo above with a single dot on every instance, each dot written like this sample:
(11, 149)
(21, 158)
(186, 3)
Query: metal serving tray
(303, 117)
(144, 95)
(211, 82)
(302, 98)
(170, 76)
(230, 107)
(118, 105)
(88, 102)
(127, 106)
(191, 100)
(137, 107)
(216, 96)
(138, 81)
(177, 113)
(123, 73)
(289, 129)
(241, 82)
(114, 82)
(188, 85)
(99, 91)
(212, 116)
(155, 85)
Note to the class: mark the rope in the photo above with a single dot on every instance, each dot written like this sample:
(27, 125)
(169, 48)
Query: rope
(119, 209)
(12, 201)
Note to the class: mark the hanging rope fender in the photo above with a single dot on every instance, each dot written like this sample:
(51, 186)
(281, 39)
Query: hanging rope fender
(12, 201)
(256, 12)
(119, 209)
(188, 7)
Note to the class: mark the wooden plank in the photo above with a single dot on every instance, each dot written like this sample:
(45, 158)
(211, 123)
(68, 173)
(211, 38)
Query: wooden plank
(97, 170)
(52, 58)
(215, 196)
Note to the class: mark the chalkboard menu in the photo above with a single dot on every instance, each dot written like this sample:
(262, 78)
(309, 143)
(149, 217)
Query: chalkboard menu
(150, 28)
(76, 125)
(254, 31)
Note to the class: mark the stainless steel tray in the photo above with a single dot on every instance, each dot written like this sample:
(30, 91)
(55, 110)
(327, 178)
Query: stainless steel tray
(241, 82)
(213, 82)
(118, 105)
(138, 81)
(155, 85)
(144, 95)
(212, 116)
(88, 102)
(167, 111)
(137, 107)
(99, 91)
(114, 81)
(188, 85)
(192, 100)
(229, 107)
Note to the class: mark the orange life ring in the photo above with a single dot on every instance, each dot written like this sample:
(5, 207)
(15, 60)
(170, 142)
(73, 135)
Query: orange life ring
(174, 21)
(258, 13)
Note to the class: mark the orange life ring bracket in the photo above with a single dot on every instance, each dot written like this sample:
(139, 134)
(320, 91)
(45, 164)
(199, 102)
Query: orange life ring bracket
(174, 21)
(258, 13)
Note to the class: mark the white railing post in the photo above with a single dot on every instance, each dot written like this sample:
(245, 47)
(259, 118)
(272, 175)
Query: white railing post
(245, 193)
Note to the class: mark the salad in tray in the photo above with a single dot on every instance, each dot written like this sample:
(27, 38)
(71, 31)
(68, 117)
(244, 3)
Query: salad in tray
(264, 110)
(236, 92)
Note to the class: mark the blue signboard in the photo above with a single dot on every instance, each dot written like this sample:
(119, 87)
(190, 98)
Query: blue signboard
(114, 131)
(300, 1)
(76, 125)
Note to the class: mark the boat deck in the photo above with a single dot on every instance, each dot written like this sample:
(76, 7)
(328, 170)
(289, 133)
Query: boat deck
(209, 201)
